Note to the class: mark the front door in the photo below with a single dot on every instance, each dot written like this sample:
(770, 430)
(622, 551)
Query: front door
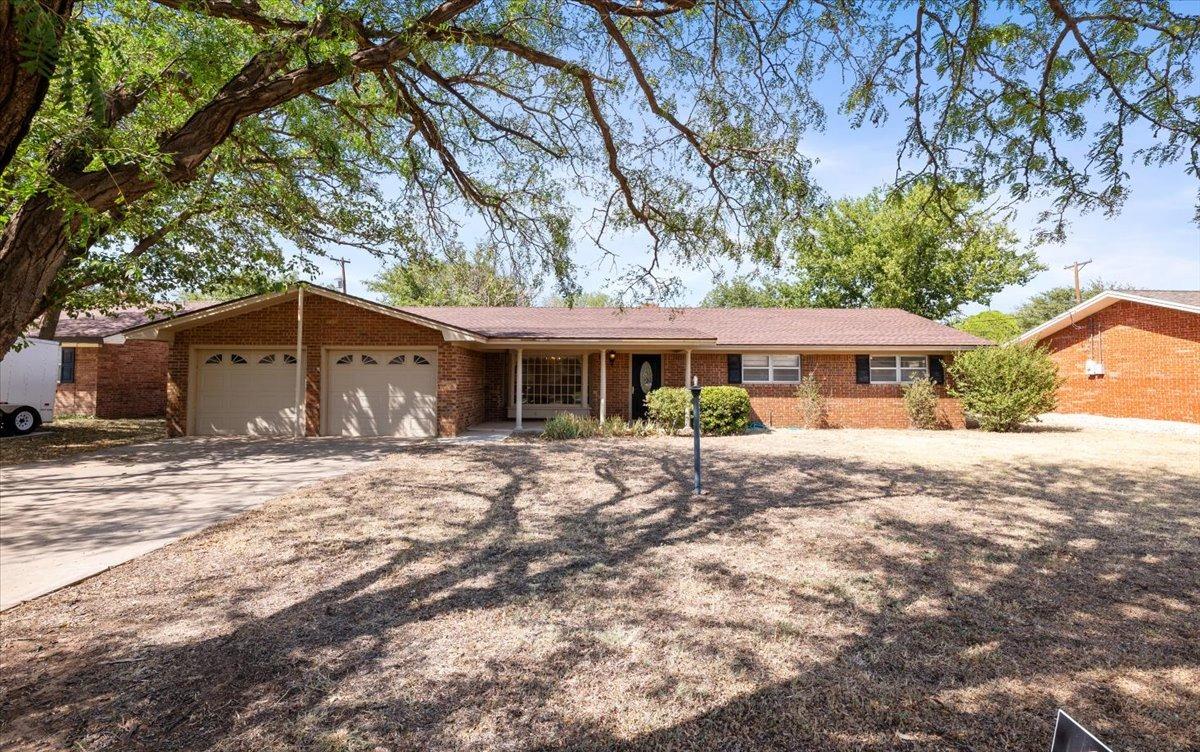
(647, 376)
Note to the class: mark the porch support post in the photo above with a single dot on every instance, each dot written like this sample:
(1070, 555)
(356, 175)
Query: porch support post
(603, 384)
(520, 395)
(300, 364)
(687, 369)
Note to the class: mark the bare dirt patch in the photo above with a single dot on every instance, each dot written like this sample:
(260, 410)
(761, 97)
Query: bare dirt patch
(836, 590)
(70, 436)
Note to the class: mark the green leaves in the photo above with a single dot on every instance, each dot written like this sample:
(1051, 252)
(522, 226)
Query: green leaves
(1004, 387)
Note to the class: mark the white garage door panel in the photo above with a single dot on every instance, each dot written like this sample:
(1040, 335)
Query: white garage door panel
(382, 393)
(244, 391)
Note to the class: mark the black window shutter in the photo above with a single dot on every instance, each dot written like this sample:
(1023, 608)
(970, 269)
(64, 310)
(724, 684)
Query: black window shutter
(862, 369)
(735, 369)
(937, 373)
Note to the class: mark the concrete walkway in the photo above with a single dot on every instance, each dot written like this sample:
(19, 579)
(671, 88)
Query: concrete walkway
(62, 522)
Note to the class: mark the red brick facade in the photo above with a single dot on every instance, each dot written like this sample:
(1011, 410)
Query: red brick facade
(848, 404)
(1151, 357)
(474, 385)
(116, 381)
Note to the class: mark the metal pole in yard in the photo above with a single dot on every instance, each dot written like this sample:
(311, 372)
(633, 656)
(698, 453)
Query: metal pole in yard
(697, 490)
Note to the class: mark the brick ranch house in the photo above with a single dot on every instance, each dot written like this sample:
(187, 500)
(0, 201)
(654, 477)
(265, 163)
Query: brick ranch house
(371, 369)
(102, 374)
(1128, 354)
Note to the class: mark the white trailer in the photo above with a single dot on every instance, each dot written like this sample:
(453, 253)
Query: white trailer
(28, 380)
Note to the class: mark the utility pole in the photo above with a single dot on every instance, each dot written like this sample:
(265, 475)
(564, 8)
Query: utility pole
(343, 262)
(1075, 266)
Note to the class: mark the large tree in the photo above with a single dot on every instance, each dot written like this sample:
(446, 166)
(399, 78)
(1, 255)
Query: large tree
(915, 249)
(677, 119)
(996, 326)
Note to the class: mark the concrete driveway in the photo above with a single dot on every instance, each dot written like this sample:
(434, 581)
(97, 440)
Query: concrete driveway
(62, 522)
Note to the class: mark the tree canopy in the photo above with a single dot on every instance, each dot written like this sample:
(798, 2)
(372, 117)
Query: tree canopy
(477, 280)
(1045, 305)
(144, 140)
(910, 250)
(583, 300)
(996, 326)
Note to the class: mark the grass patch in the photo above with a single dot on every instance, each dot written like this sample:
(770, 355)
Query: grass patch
(69, 436)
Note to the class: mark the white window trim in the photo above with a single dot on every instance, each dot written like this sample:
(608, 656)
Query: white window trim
(771, 367)
(895, 367)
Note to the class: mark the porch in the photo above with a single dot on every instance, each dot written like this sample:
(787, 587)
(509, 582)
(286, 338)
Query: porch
(602, 383)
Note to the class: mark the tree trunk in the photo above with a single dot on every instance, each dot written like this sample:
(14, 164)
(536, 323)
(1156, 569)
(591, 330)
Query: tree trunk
(34, 248)
(50, 322)
(21, 90)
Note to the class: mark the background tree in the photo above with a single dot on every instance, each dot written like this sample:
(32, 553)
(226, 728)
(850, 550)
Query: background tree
(742, 292)
(996, 326)
(678, 119)
(1043, 306)
(914, 250)
(475, 280)
(582, 300)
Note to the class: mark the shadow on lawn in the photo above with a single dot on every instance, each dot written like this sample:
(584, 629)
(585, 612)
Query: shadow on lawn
(1109, 585)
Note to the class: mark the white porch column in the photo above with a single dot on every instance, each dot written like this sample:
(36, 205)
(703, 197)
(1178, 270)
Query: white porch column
(603, 384)
(687, 369)
(520, 396)
(301, 366)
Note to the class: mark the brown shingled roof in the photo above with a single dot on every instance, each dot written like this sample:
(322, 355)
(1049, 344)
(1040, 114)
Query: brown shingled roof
(1186, 297)
(94, 325)
(791, 327)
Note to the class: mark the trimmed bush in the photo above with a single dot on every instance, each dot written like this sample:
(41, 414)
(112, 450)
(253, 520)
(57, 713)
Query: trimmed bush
(724, 410)
(670, 407)
(812, 402)
(921, 404)
(1003, 387)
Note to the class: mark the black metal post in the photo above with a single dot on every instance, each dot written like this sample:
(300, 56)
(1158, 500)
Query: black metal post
(696, 434)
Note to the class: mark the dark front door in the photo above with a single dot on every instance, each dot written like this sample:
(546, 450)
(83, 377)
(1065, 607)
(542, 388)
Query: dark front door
(647, 376)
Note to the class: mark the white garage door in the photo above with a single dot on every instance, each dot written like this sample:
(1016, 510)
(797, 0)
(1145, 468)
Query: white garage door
(382, 393)
(243, 391)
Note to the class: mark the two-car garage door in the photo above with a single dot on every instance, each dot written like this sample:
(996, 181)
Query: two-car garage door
(243, 391)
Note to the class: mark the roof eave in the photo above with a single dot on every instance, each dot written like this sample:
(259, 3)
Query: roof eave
(164, 329)
(1094, 305)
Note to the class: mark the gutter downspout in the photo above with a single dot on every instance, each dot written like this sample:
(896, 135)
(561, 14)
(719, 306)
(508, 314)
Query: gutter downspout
(603, 384)
(300, 365)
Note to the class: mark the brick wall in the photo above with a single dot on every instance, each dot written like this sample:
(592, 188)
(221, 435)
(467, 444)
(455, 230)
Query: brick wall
(330, 323)
(495, 378)
(1151, 357)
(849, 404)
(117, 381)
(79, 397)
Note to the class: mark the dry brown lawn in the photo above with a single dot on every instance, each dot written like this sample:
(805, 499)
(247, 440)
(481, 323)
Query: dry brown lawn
(836, 590)
(69, 436)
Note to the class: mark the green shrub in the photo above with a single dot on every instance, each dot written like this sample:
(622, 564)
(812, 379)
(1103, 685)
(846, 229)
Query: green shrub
(570, 426)
(812, 402)
(669, 407)
(724, 410)
(1003, 387)
(921, 404)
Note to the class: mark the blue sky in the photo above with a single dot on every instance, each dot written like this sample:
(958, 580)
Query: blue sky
(1152, 243)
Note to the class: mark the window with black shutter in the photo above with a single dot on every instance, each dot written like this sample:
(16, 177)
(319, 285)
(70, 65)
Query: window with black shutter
(862, 369)
(66, 368)
(735, 369)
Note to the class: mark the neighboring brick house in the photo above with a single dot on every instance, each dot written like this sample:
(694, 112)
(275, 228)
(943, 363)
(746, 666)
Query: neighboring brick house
(1128, 354)
(103, 375)
(371, 369)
